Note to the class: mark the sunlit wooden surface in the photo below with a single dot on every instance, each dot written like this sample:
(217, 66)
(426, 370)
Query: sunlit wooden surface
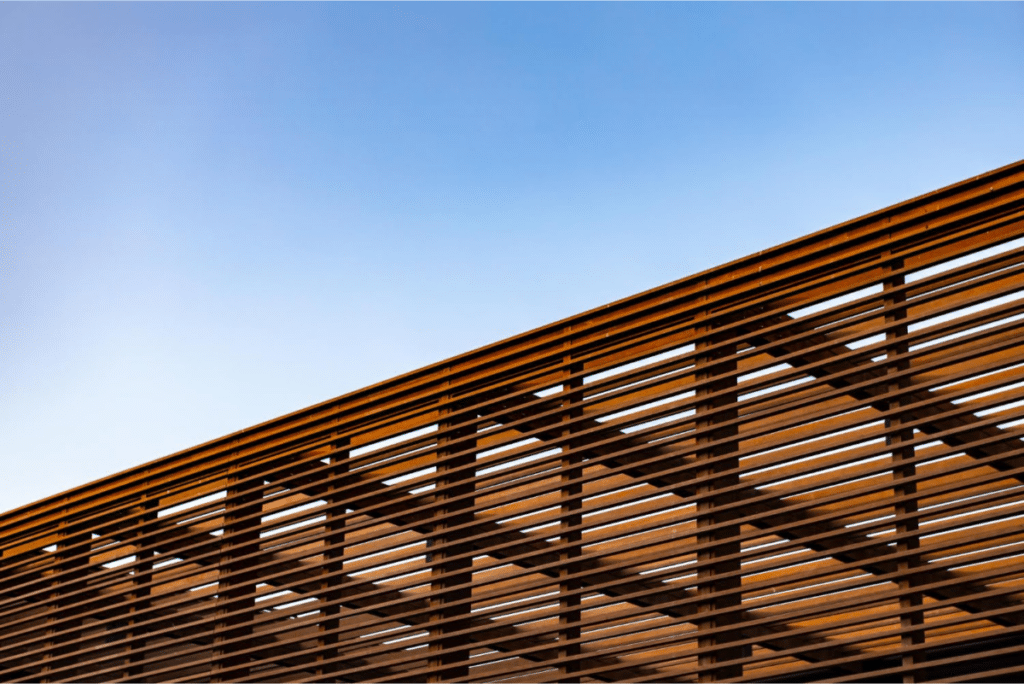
(805, 465)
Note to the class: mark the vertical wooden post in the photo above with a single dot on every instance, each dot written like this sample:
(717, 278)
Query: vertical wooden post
(70, 565)
(451, 580)
(571, 516)
(236, 587)
(711, 411)
(142, 580)
(333, 562)
(906, 510)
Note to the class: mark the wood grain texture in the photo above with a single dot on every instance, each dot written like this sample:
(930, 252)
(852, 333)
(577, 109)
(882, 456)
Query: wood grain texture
(804, 465)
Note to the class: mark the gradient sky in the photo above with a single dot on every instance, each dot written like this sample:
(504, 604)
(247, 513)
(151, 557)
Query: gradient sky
(214, 214)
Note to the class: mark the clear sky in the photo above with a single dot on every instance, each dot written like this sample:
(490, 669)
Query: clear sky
(213, 214)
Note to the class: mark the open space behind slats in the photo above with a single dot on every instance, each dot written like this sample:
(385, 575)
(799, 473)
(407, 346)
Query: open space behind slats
(804, 465)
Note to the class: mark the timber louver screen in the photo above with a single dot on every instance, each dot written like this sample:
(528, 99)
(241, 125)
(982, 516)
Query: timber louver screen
(803, 465)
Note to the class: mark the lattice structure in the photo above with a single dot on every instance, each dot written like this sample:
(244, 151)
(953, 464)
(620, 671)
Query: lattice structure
(803, 465)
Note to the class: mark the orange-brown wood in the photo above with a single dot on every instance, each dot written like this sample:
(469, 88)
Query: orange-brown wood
(807, 464)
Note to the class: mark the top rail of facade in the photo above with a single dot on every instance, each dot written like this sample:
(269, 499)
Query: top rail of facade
(994, 193)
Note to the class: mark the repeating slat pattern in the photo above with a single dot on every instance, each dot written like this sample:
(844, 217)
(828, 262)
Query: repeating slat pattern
(804, 465)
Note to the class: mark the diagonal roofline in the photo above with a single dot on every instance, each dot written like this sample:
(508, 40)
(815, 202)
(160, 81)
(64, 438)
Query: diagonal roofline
(908, 211)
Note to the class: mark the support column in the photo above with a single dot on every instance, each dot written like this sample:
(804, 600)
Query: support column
(70, 567)
(711, 411)
(906, 511)
(457, 584)
(236, 587)
(334, 547)
(571, 516)
(142, 580)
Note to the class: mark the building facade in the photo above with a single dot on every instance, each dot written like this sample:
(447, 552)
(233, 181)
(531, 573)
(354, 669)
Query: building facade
(803, 465)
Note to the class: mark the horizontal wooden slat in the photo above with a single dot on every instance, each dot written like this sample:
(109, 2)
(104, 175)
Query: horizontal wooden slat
(807, 464)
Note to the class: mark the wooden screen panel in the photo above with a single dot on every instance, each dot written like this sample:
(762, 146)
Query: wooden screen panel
(804, 465)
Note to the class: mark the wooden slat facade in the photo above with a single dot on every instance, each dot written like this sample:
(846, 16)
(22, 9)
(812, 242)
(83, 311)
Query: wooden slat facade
(803, 465)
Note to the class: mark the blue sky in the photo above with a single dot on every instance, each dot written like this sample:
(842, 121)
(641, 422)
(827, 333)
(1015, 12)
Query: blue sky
(213, 214)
